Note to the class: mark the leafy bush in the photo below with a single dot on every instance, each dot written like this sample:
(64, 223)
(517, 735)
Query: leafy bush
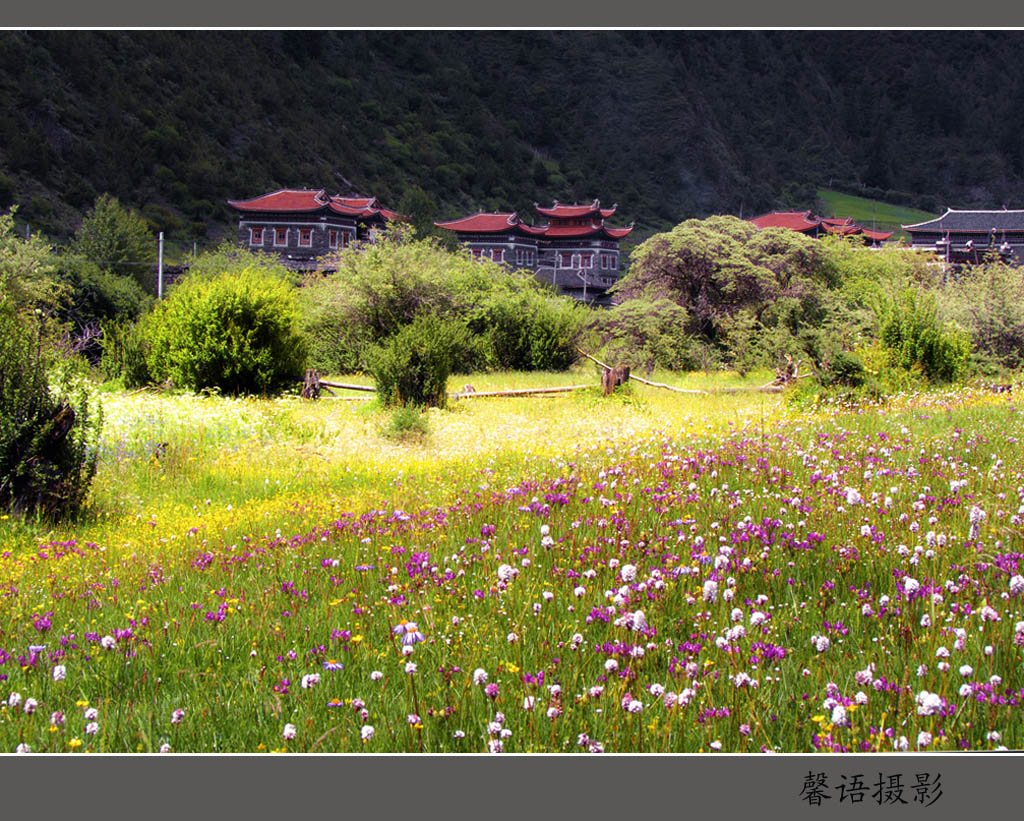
(100, 298)
(842, 368)
(412, 367)
(47, 434)
(989, 302)
(406, 422)
(530, 330)
(229, 257)
(102, 295)
(643, 333)
(914, 338)
(125, 352)
(377, 290)
(236, 332)
(744, 337)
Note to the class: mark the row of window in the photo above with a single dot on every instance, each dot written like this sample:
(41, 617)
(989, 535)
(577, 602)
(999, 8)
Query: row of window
(609, 262)
(569, 260)
(523, 256)
(280, 237)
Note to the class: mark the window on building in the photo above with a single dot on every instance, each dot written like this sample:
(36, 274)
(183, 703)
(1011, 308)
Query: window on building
(332, 237)
(614, 262)
(280, 236)
(255, 236)
(519, 256)
(567, 260)
(498, 255)
(306, 237)
(529, 257)
(588, 260)
(345, 237)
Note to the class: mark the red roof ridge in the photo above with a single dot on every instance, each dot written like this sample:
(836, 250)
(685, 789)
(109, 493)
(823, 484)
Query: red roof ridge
(319, 197)
(297, 200)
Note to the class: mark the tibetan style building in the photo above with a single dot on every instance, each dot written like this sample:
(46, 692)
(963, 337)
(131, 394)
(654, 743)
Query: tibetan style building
(814, 226)
(303, 225)
(971, 236)
(574, 251)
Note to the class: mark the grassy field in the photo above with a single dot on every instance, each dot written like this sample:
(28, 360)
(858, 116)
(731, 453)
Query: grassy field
(646, 572)
(883, 215)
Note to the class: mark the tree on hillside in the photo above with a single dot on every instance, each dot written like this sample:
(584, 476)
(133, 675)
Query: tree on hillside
(421, 211)
(118, 240)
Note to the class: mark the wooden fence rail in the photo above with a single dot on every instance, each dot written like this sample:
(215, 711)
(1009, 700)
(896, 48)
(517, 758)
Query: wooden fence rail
(610, 378)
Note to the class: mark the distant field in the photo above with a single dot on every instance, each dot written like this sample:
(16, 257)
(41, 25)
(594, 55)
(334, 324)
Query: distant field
(885, 216)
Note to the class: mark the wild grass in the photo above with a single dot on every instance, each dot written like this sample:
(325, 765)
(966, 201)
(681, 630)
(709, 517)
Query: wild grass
(643, 572)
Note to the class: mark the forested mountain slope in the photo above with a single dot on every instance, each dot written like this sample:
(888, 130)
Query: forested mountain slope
(667, 124)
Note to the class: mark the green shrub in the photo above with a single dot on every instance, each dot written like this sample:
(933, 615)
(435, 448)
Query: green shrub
(406, 422)
(527, 329)
(913, 337)
(841, 368)
(100, 295)
(515, 323)
(744, 336)
(235, 332)
(643, 333)
(412, 367)
(47, 433)
(989, 302)
(125, 352)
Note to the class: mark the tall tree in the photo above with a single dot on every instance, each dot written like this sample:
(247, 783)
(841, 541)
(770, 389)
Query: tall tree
(716, 267)
(118, 240)
(26, 269)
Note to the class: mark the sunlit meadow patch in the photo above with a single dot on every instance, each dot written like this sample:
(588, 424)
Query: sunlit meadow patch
(673, 573)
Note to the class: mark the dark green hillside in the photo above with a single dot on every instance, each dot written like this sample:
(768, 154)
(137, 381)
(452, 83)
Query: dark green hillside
(668, 124)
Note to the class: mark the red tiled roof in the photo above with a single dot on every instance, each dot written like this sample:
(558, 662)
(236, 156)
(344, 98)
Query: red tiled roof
(594, 229)
(559, 211)
(572, 230)
(617, 233)
(496, 222)
(339, 208)
(805, 221)
(842, 228)
(286, 199)
(296, 200)
(357, 202)
(795, 220)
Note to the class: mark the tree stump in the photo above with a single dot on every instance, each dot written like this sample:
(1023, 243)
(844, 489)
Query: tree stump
(311, 385)
(787, 370)
(613, 377)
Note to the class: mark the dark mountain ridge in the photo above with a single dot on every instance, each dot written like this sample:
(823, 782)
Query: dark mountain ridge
(669, 125)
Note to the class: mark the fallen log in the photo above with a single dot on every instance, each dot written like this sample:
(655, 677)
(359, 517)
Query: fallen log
(347, 387)
(520, 391)
(641, 380)
(752, 389)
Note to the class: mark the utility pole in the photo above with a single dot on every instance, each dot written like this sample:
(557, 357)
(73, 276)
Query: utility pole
(160, 267)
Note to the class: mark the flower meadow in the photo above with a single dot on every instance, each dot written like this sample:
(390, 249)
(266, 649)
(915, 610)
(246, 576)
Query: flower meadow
(642, 573)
